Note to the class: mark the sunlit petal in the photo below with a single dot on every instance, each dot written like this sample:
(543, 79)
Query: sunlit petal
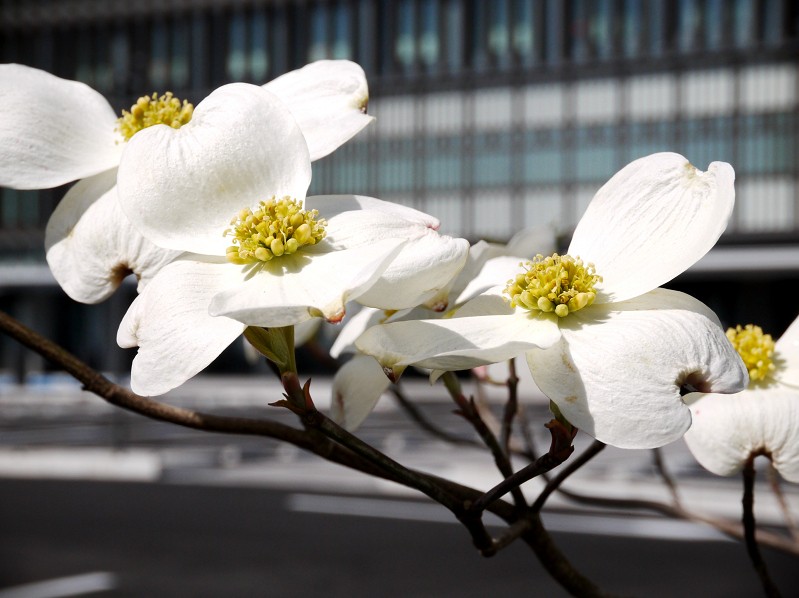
(314, 283)
(458, 343)
(181, 187)
(52, 131)
(727, 429)
(650, 222)
(328, 99)
(618, 371)
(170, 324)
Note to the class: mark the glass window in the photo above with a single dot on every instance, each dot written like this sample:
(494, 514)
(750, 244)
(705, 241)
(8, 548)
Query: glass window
(181, 42)
(158, 70)
(479, 24)
(706, 140)
(405, 44)
(395, 170)
(634, 31)
(342, 32)
(554, 31)
(543, 157)
(429, 42)
(744, 23)
(120, 57)
(690, 25)
(318, 48)
(499, 33)
(656, 20)
(773, 21)
(84, 70)
(492, 159)
(236, 67)
(595, 153)
(259, 38)
(715, 20)
(454, 35)
(103, 73)
(524, 31)
(443, 163)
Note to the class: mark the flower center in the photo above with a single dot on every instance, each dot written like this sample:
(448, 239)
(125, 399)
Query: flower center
(154, 110)
(274, 228)
(558, 283)
(755, 348)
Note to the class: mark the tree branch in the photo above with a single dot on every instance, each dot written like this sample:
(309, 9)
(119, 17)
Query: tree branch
(752, 548)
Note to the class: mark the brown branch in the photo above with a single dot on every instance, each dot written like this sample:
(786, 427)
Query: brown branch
(660, 466)
(312, 440)
(425, 424)
(511, 407)
(752, 548)
(573, 465)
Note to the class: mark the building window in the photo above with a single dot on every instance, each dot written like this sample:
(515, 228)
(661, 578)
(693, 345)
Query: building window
(690, 25)
(259, 44)
(405, 44)
(454, 35)
(525, 20)
(499, 34)
(429, 41)
(236, 66)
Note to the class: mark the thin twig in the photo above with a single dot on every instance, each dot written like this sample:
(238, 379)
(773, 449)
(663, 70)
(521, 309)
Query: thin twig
(573, 465)
(559, 450)
(752, 548)
(425, 424)
(660, 466)
(470, 413)
(511, 407)
(790, 522)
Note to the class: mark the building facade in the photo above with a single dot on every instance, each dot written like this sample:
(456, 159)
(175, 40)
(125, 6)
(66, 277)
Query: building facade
(492, 115)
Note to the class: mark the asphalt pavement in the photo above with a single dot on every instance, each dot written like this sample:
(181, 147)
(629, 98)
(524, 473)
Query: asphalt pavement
(116, 504)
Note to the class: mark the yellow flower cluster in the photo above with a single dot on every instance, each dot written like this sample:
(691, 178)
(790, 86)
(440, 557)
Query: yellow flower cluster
(558, 283)
(275, 228)
(154, 110)
(755, 348)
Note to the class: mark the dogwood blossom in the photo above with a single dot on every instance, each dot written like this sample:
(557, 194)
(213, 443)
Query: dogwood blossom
(607, 346)
(56, 131)
(258, 252)
(359, 383)
(761, 420)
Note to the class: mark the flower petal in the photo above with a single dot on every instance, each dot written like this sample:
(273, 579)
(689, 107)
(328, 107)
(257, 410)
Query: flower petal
(424, 267)
(787, 350)
(91, 245)
(727, 429)
(181, 187)
(618, 371)
(328, 99)
(457, 343)
(53, 131)
(656, 217)
(169, 322)
(354, 327)
(313, 283)
(357, 386)
(496, 271)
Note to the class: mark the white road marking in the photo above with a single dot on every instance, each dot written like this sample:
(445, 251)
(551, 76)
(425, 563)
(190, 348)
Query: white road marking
(605, 525)
(75, 585)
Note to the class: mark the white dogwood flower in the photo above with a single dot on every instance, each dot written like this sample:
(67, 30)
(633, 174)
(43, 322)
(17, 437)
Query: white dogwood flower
(607, 346)
(359, 383)
(229, 189)
(761, 420)
(55, 131)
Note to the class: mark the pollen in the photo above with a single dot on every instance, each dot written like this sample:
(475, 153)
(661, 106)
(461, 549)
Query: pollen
(559, 283)
(276, 227)
(154, 110)
(755, 348)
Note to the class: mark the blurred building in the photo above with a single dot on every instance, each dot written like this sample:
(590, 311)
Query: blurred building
(492, 115)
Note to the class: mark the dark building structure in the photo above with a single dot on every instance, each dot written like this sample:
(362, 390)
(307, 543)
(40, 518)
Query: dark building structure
(492, 115)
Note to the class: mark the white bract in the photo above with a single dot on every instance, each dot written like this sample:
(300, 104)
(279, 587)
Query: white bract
(763, 419)
(54, 131)
(228, 188)
(607, 346)
(359, 383)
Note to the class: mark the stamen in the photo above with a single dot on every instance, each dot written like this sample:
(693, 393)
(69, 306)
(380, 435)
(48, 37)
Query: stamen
(274, 228)
(558, 283)
(154, 110)
(756, 349)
